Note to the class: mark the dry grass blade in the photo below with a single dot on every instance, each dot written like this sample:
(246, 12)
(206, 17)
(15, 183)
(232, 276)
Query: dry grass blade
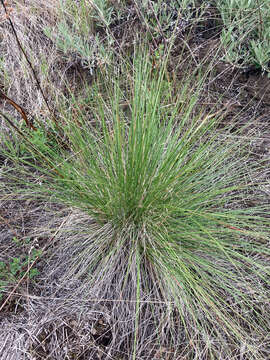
(45, 247)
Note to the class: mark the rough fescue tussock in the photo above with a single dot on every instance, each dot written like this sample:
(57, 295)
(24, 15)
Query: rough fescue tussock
(170, 233)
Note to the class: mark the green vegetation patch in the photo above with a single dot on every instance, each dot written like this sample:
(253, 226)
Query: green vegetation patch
(168, 190)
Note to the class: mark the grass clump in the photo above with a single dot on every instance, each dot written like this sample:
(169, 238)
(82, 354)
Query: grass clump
(172, 214)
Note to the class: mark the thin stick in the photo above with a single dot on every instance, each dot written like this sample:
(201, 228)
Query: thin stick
(29, 62)
(19, 109)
